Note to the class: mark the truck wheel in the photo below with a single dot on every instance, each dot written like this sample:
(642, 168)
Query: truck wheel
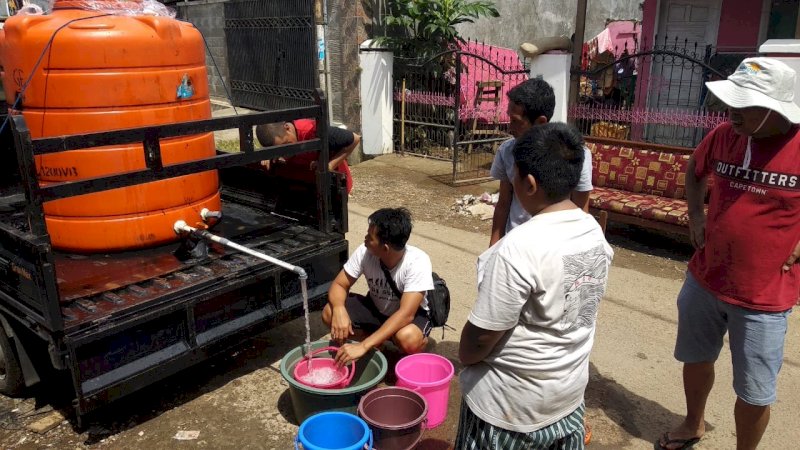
(11, 381)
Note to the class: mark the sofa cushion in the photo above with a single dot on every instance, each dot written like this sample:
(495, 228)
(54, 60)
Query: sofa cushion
(639, 171)
(645, 206)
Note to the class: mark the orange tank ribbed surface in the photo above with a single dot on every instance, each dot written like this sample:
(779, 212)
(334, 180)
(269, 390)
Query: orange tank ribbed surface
(107, 73)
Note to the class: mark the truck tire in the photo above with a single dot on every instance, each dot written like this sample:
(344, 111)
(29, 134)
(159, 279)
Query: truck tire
(11, 381)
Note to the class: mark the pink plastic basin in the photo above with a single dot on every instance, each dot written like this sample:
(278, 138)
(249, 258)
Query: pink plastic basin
(342, 375)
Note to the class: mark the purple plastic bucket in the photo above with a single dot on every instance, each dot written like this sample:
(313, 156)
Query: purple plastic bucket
(396, 416)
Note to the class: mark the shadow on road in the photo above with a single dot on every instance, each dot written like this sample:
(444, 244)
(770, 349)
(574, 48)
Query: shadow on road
(434, 444)
(638, 416)
(651, 242)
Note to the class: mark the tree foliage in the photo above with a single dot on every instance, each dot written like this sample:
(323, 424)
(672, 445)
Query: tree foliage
(422, 28)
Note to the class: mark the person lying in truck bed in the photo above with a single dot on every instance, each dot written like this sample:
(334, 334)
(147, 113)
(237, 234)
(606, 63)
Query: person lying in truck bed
(340, 144)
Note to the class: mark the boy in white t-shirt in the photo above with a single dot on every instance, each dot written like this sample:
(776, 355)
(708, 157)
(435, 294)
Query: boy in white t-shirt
(526, 344)
(382, 315)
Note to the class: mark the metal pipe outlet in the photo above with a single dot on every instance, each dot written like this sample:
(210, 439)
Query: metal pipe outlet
(182, 227)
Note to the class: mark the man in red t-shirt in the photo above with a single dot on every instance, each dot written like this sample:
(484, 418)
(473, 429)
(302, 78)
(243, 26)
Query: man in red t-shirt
(340, 144)
(742, 279)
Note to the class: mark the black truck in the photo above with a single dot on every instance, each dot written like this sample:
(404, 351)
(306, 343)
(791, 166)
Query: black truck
(118, 322)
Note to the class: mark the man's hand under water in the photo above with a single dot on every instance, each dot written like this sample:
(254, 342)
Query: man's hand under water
(349, 353)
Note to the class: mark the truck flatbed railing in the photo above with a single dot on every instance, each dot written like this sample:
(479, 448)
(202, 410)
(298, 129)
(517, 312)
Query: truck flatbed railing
(31, 288)
(28, 148)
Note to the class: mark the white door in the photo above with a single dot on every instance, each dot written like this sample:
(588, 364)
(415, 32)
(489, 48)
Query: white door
(675, 83)
(697, 20)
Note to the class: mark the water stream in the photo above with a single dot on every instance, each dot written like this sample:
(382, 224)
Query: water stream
(304, 290)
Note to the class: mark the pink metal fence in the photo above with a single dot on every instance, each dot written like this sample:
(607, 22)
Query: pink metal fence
(503, 65)
(645, 116)
(454, 106)
(652, 93)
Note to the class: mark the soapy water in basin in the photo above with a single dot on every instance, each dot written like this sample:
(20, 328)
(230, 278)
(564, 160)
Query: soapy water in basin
(321, 376)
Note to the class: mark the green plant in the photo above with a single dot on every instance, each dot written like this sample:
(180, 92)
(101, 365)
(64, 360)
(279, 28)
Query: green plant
(423, 28)
(228, 145)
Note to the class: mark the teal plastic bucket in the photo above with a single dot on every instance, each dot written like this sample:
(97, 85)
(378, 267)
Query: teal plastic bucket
(333, 431)
(307, 400)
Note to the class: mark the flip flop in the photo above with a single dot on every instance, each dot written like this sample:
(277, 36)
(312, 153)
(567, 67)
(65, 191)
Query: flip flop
(684, 443)
(587, 437)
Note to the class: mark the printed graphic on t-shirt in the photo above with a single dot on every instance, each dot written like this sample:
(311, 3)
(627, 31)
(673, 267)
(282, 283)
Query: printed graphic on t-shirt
(382, 294)
(755, 181)
(585, 276)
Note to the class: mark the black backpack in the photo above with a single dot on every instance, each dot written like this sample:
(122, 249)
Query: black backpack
(438, 298)
(439, 302)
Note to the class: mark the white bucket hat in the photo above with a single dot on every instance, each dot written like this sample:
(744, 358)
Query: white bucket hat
(763, 82)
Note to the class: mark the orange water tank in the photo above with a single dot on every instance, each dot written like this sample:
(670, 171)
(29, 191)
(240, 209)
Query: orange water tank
(106, 73)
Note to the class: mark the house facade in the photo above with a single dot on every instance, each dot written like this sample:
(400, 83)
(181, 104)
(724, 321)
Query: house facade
(656, 91)
(523, 21)
(730, 26)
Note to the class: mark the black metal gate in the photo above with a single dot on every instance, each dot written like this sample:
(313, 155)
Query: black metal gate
(271, 53)
(655, 95)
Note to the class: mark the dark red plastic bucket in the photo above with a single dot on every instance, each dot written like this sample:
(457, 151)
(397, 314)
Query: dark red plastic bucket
(396, 416)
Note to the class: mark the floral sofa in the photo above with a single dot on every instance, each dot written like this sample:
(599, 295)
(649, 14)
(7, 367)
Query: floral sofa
(640, 184)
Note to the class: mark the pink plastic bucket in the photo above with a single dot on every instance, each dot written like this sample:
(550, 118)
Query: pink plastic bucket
(343, 375)
(430, 376)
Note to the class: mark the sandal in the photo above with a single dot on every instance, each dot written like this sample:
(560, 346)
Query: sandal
(684, 443)
(587, 436)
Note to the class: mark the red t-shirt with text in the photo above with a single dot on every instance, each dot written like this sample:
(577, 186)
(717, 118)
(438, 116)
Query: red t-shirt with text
(753, 221)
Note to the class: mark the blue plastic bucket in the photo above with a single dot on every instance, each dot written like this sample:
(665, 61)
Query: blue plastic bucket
(333, 431)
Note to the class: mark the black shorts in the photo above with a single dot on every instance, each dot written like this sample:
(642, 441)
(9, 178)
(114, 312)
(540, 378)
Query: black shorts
(365, 315)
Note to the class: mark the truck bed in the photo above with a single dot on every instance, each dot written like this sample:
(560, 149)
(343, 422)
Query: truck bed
(132, 316)
(102, 286)
(120, 321)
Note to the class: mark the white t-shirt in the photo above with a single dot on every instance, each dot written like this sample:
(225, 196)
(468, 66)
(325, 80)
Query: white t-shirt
(543, 283)
(503, 170)
(411, 274)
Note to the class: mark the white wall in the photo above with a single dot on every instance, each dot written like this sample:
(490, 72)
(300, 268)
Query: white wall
(376, 100)
(554, 69)
(523, 20)
(788, 51)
